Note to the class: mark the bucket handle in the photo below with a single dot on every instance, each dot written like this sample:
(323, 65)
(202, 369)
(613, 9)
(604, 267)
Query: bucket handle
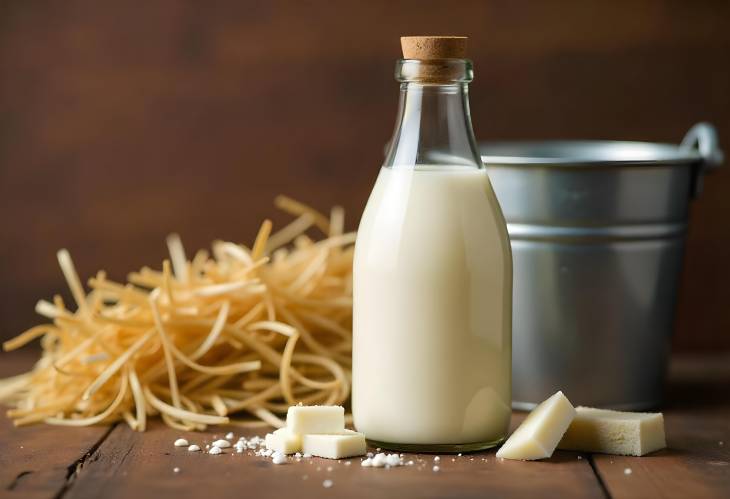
(703, 138)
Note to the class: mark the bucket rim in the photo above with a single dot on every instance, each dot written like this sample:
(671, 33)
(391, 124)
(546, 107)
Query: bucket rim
(585, 153)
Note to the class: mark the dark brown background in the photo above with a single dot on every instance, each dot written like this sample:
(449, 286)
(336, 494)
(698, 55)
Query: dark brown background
(122, 121)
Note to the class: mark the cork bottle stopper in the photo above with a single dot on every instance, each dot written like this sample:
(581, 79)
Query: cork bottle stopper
(428, 48)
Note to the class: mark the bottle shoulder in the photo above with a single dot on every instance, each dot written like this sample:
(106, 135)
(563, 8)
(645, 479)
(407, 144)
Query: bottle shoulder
(432, 208)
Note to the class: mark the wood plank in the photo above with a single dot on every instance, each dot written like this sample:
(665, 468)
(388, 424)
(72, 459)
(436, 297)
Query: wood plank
(130, 464)
(697, 419)
(36, 461)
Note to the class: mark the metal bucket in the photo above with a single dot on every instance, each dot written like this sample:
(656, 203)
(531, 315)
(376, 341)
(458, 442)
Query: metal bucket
(597, 231)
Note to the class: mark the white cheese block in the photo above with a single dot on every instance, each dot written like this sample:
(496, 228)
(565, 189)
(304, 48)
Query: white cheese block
(348, 444)
(308, 419)
(540, 432)
(615, 432)
(284, 441)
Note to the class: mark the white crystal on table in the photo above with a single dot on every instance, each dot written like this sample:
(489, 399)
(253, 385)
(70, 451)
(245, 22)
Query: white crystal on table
(222, 444)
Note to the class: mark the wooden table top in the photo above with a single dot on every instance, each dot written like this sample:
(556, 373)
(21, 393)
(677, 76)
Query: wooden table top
(115, 462)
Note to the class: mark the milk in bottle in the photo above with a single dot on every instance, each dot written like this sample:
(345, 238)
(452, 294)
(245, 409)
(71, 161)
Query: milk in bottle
(432, 274)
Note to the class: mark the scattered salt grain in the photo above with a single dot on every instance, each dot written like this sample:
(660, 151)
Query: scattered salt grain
(369, 454)
(181, 442)
(215, 451)
(627, 471)
(382, 460)
(222, 443)
(176, 470)
(298, 455)
(720, 443)
(306, 456)
(580, 457)
(436, 468)
(459, 454)
(347, 463)
(329, 468)
(410, 463)
(327, 484)
(278, 458)
(437, 459)
(194, 448)
(229, 435)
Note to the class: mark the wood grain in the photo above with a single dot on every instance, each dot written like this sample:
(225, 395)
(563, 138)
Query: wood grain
(124, 121)
(697, 461)
(37, 461)
(92, 463)
(128, 464)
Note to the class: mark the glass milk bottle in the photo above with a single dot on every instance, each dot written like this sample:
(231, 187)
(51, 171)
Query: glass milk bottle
(432, 273)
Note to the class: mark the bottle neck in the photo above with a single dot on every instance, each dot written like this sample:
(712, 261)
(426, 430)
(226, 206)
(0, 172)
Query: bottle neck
(433, 128)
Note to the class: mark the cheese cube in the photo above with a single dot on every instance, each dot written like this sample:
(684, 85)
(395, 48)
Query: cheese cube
(348, 444)
(303, 419)
(284, 441)
(615, 432)
(539, 434)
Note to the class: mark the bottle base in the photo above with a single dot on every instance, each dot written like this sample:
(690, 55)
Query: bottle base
(437, 448)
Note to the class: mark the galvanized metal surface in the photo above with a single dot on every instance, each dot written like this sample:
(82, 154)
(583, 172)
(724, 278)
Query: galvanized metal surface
(597, 232)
